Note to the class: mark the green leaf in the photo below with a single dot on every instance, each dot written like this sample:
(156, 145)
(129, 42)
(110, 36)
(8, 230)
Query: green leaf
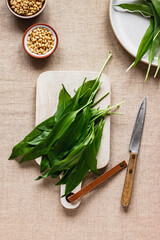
(87, 161)
(156, 4)
(58, 130)
(38, 139)
(143, 9)
(92, 150)
(23, 147)
(66, 142)
(73, 157)
(44, 176)
(88, 90)
(158, 67)
(91, 159)
(81, 97)
(145, 43)
(100, 99)
(77, 175)
(64, 101)
(156, 39)
(75, 154)
(99, 131)
(45, 164)
(45, 128)
(77, 96)
(66, 174)
(52, 157)
(45, 145)
(56, 174)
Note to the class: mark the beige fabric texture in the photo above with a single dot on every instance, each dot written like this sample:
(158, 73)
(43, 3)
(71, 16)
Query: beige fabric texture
(32, 210)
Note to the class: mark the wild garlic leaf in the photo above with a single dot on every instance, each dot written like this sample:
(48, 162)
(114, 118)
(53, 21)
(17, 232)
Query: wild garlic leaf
(45, 164)
(65, 176)
(156, 39)
(143, 9)
(158, 67)
(45, 128)
(49, 123)
(145, 43)
(94, 112)
(91, 159)
(62, 146)
(156, 4)
(73, 157)
(45, 145)
(92, 150)
(75, 154)
(23, 147)
(58, 130)
(64, 101)
(56, 174)
(77, 96)
(98, 133)
(70, 137)
(87, 161)
(87, 86)
(52, 157)
(77, 175)
(86, 92)
(38, 139)
(81, 97)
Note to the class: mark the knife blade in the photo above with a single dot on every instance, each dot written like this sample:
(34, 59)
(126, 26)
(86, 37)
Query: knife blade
(134, 150)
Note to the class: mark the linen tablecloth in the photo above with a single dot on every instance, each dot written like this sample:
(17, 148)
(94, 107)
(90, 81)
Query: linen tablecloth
(31, 209)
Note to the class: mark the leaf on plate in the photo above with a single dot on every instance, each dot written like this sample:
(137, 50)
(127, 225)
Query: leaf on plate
(143, 9)
(145, 43)
(156, 4)
(156, 39)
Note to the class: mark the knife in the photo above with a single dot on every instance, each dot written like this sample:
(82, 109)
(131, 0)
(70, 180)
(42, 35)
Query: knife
(134, 149)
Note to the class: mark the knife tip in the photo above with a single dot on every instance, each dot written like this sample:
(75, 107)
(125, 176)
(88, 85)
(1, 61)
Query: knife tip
(144, 100)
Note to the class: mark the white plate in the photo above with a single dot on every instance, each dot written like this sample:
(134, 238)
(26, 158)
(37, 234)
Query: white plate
(129, 29)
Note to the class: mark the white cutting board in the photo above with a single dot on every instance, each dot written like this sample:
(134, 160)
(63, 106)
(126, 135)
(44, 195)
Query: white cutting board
(49, 85)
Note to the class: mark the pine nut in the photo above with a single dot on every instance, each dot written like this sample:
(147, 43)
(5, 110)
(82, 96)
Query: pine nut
(26, 7)
(40, 41)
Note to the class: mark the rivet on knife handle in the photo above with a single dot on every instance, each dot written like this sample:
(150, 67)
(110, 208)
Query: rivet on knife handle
(97, 182)
(128, 184)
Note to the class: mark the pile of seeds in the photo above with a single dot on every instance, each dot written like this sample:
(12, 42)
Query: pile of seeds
(40, 41)
(26, 7)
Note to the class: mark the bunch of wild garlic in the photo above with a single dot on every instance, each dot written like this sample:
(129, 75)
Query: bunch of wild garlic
(68, 142)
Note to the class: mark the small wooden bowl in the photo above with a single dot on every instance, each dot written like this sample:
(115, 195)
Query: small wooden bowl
(40, 25)
(26, 17)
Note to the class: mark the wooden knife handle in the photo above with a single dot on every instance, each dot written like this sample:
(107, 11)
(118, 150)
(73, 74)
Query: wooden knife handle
(96, 182)
(128, 184)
